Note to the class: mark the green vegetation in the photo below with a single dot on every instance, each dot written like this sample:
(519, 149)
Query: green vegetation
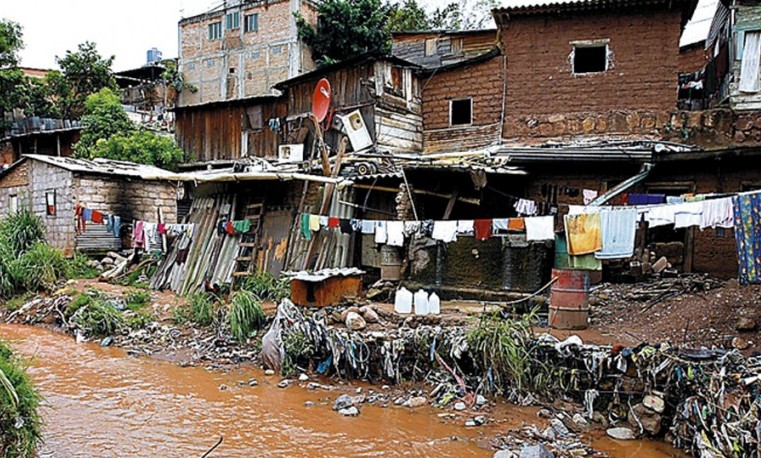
(509, 349)
(246, 315)
(95, 316)
(200, 310)
(20, 425)
(110, 134)
(267, 287)
(137, 299)
(77, 267)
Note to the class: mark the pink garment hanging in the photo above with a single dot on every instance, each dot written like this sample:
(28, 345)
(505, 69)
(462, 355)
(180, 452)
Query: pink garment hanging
(138, 235)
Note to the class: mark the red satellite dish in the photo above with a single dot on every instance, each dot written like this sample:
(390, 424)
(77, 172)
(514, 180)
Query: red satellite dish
(321, 100)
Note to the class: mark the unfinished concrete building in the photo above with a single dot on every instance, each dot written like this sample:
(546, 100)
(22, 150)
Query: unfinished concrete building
(242, 48)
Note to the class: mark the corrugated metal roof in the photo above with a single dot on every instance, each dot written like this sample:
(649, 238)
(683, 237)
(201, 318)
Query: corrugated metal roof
(699, 25)
(548, 6)
(106, 167)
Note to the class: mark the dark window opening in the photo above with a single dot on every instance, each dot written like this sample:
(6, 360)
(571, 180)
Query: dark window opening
(590, 59)
(461, 112)
(232, 70)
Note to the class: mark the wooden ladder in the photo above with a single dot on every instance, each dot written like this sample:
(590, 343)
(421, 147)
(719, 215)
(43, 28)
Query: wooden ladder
(245, 262)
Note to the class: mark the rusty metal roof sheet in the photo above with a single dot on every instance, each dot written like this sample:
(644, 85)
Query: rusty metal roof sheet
(106, 167)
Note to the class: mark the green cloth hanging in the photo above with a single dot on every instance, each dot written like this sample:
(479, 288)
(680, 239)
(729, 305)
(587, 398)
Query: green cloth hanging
(305, 231)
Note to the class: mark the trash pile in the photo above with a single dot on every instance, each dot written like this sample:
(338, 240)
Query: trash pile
(705, 401)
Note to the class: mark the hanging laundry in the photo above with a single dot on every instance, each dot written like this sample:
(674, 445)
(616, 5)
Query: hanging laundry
(426, 228)
(242, 226)
(97, 217)
(314, 223)
(516, 225)
(368, 226)
(717, 213)
(324, 220)
(381, 236)
(583, 233)
(116, 225)
(688, 214)
(229, 229)
(674, 199)
(345, 226)
(395, 233)
(525, 207)
(660, 216)
(618, 229)
(747, 222)
(482, 229)
(87, 214)
(411, 227)
(445, 231)
(500, 224)
(80, 226)
(583, 209)
(564, 261)
(334, 222)
(138, 235)
(305, 226)
(465, 227)
(646, 199)
(589, 196)
(152, 240)
(540, 228)
(356, 225)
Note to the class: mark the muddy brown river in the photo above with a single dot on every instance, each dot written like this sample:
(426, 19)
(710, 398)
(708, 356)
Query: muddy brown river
(100, 402)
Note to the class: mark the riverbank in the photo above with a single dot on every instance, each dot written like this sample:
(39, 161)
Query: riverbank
(100, 401)
(627, 383)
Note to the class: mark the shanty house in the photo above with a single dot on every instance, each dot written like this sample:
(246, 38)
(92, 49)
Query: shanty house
(52, 188)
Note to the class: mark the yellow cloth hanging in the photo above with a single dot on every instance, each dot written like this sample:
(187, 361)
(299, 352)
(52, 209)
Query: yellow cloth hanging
(583, 233)
(314, 223)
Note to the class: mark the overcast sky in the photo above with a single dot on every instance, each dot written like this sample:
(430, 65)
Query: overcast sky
(123, 29)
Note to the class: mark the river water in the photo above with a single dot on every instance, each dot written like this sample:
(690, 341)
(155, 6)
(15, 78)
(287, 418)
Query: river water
(100, 402)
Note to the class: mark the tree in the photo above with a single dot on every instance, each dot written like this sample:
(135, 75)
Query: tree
(83, 72)
(110, 134)
(141, 146)
(346, 28)
(408, 17)
(103, 117)
(11, 78)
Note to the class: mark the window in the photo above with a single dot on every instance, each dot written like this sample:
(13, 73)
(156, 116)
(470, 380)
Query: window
(233, 20)
(13, 203)
(209, 63)
(592, 58)
(277, 50)
(50, 203)
(232, 70)
(191, 66)
(461, 112)
(256, 55)
(215, 30)
(430, 47)
(251, 23)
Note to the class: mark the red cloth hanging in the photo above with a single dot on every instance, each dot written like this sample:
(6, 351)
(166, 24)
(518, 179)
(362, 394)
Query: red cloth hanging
(482, 229)
(334, 222)
(97, 217)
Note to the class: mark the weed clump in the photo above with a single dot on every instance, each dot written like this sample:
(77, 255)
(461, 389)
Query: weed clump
(20, 424)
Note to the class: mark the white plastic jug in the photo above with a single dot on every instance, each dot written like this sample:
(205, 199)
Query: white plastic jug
(403, 301)
(434, 304)
(421, 303)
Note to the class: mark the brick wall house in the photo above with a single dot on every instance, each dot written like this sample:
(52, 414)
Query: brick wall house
(241, 49)
(563, 71)
(35, 181)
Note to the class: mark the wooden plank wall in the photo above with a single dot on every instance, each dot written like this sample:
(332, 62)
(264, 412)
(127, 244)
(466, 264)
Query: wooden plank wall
(214, 133)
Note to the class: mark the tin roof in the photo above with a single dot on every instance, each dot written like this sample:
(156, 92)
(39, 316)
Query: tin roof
(526, 7)
(105, 167)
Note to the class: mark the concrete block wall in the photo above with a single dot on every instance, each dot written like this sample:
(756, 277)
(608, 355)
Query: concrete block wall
(130, 199)
(61, 229)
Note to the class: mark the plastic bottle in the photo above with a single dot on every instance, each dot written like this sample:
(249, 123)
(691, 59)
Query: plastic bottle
(403, 301)
(434, 304)
(421, 303)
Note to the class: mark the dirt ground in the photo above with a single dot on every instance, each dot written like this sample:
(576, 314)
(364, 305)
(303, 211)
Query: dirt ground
(724, 314)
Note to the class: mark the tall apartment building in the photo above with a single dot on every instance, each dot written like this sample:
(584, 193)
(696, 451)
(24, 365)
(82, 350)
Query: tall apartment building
(242, 48)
